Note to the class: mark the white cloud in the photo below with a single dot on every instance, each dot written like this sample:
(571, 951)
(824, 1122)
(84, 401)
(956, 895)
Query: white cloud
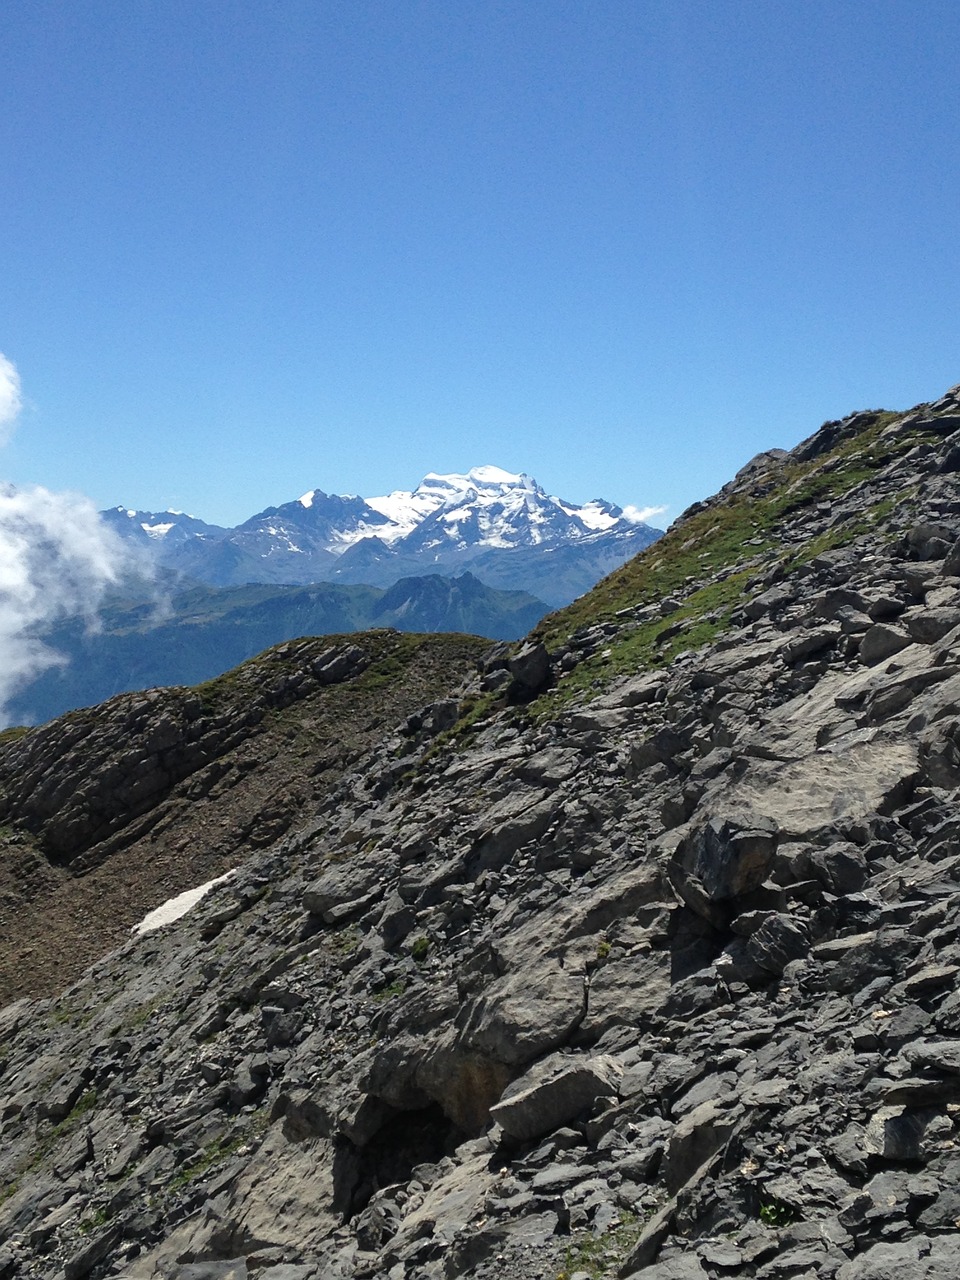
(640, 515)
(10, 402)
(57, 558)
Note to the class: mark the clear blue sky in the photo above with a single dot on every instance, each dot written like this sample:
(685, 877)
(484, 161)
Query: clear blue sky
(252, 248)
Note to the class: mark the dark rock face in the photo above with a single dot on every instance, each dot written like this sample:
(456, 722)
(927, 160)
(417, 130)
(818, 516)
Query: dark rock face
(653, 977)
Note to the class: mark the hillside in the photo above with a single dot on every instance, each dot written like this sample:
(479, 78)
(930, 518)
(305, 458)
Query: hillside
(107, 812)
(638, 958)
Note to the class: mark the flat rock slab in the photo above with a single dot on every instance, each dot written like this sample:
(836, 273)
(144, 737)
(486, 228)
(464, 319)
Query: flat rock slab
(527, 1013)
(923, 1258)
(804, 796)
(686, 1267)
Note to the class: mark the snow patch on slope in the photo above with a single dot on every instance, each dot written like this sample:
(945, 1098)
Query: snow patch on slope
(176, 907)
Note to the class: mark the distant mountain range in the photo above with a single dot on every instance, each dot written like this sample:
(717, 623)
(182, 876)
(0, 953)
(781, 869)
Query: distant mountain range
(196, 633)
(502, 527)
(487, 553)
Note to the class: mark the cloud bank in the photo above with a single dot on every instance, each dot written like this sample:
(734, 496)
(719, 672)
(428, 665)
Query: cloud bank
(57, 558)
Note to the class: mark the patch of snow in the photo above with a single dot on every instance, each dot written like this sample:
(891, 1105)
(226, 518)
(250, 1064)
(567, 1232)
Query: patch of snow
(157, 530)
(496, 475)
(176, 907)
(404, 511)
(595, 515)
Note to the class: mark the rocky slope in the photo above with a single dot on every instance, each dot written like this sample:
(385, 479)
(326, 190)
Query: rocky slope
(107, 812)
(640, 960)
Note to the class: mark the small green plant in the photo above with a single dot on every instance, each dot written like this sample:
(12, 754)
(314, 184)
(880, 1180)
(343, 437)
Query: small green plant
(777, 1213)
(85, 1103)
(214, 1153)
(343, 942)
(137, 1017)
(396, 988)
(420, 949)
(96, 1220)
(600, 1253)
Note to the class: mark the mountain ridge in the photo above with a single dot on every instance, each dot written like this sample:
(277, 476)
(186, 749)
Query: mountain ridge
(487, 520)
(187, 634)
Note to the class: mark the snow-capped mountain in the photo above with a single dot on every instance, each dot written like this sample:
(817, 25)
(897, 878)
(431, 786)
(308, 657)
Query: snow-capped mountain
(501, 526)
(169, 527)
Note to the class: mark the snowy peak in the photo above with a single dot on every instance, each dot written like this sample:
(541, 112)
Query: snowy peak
(157, 526)
(488, 506)
(476, 480)
(449, 523)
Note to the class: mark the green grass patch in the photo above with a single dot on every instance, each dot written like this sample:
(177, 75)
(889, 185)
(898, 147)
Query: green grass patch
(777, 1213)
(420, 949)
(475, 710)
(213, 1154)
(137, 1017)
(396, 988)
(83, 1106)
(728, 532)
(99, 1218)
(716, 558)
(601, 1254)
(342, 942)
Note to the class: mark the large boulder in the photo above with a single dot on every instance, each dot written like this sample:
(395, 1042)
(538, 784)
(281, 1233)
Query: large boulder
(730, 856)
(554, 1093)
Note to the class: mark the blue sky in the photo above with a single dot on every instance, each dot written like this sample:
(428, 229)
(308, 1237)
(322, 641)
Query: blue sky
(250, 249)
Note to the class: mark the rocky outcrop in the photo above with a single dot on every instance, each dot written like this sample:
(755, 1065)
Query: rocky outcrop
(653, 974)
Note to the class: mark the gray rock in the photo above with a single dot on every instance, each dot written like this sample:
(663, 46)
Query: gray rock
(881, 642)
(685, 1267)
(923, 1258)
(345, 889)
(808, 643)
(696, 1139)
(779, 940)
(730, 857)
(530, 668)
(929, 625)
(555, 1094)
(897, 1133)
(234, 1270)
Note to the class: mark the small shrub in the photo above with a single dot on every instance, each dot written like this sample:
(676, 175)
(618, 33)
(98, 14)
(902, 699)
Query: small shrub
(420, 949)
(777, 1213)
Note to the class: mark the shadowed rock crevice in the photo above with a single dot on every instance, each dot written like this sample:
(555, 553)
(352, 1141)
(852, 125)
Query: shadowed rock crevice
(401, 1142)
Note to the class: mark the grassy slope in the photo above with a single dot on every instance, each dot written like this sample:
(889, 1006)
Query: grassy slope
(711, 560)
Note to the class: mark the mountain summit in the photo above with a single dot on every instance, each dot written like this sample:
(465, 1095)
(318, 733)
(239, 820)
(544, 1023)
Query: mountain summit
(495, 523)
